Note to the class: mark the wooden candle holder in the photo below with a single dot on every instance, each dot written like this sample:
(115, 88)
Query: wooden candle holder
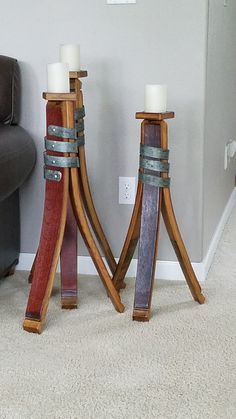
(68, 203)
(153, 198)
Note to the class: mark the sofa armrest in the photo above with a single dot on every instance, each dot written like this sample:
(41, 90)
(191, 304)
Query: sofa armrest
(17, 158)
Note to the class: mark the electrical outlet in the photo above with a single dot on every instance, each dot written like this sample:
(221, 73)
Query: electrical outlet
(126, 190)
(226, 157)
(230, 150)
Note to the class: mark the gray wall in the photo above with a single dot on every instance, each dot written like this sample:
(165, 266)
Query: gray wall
(123, 48)
(220, 113)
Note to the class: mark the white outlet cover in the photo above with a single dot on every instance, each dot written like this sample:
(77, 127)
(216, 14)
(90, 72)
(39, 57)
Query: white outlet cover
(121, 1)
(126, 190)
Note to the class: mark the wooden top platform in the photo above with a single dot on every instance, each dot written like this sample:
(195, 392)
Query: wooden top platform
(78, 74)
(59, 96)
(155, 116)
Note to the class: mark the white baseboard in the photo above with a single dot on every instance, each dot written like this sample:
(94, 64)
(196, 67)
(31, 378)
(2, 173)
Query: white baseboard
(168, 270)
(207, 261)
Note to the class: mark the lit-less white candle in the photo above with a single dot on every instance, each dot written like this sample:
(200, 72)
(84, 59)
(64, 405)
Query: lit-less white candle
(70, 54)
(58, 78)
(155, 98)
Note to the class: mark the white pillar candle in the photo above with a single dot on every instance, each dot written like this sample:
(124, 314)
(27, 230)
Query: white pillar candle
(58, 78)
(155, 98)
(70, 54)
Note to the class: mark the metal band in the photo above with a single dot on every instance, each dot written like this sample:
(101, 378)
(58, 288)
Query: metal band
(157, 153)
(79, 113)
(155, 165)
(62, 132)
(80, 140)
(79, 126)
(61, 161)
(157, 181)
(54, 175)
(61, 146)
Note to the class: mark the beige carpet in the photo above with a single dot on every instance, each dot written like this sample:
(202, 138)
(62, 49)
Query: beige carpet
(96, 363)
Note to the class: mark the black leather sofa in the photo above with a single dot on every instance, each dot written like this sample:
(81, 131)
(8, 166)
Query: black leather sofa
(17, 159)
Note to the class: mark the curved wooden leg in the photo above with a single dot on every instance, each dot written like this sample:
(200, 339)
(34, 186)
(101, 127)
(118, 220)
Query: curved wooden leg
(91, 245)
(68, 259)
(92, 214)
(68, 263)
(149, 234)
(131, 241)
(48, 254)
(86, 193)
(178, 245)
(54, 219)
(148, 245)
(132, 237)
(174, 233)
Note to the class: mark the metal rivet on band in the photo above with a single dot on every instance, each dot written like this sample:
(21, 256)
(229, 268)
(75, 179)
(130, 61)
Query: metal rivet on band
(61, 161)
(52, 175)
(61, 146)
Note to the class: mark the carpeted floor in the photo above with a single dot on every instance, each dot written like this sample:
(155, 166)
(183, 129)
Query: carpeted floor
(96, 363)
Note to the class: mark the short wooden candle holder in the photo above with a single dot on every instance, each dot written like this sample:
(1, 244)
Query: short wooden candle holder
(68, 203)
(153, 198)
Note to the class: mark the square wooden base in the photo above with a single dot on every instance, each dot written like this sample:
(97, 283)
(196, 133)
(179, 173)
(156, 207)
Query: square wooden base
(141, 315)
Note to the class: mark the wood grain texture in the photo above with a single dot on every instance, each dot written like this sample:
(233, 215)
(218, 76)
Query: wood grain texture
(149, 232)
(54, 219)
(154, 116)
(78, 74)
(141, 315)
(68, 258)
(59, 97)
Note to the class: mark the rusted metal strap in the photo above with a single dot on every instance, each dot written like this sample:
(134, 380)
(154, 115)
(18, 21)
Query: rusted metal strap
(79, 113)
(155, 165)
(157, 181)
(80, 140)
(155, 152)
(79, 127)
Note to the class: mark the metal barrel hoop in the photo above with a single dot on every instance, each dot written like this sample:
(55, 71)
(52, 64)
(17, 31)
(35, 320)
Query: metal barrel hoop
(60, 146)
(59, 161)
(62, 132)
(150, 161)
(155, 152)
(79, 114)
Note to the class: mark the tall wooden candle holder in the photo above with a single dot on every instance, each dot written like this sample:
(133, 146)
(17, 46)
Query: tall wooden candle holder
(153, 197)
(67, 195)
